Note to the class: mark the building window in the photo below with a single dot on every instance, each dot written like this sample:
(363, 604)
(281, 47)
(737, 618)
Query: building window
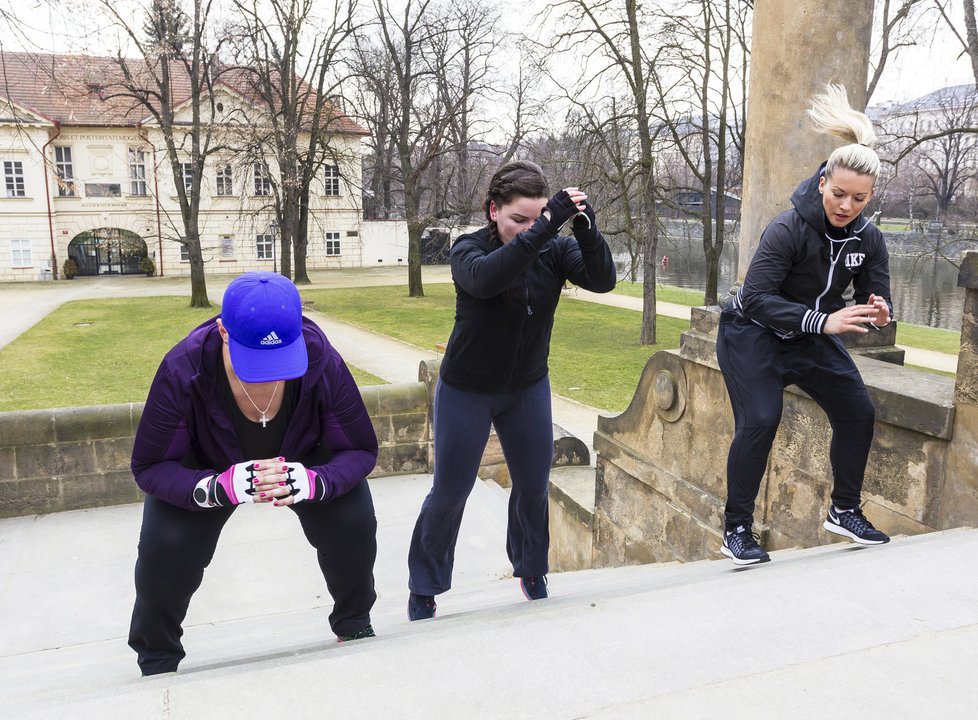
(227, 246)
(184, 253)
(187, 176)
(225, 185)
(20, 254)
(65, 171)
(332, 180)
(13, 174)
(263, 246)
(137, 172)
(263, 181)
(332, 244)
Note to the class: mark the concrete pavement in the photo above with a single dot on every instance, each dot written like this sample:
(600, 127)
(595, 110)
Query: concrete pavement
(886, 632)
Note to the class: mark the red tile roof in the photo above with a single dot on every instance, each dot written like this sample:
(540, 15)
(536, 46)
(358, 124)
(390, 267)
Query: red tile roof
(86, 90)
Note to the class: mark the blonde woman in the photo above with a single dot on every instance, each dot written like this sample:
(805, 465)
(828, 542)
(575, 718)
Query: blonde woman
(783, 328)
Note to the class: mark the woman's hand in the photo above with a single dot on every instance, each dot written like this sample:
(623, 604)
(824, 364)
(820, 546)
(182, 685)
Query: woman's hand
(564, 205)
(283, 483)
(853, 318)
(883, 311)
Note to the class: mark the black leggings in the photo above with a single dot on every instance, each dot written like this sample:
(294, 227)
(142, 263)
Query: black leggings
(176, 545)
(757, 366)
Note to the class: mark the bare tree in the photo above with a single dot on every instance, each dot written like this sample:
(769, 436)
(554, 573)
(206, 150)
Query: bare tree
(925, 139)
(422, 48)
(969, 37)
(614, 35)
(899, 22)
(174, 77)
(291, 58)
(695, 82)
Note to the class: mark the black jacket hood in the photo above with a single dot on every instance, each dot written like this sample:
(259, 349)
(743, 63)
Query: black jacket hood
(808, 201)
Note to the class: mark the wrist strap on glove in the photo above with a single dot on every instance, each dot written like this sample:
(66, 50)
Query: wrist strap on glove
(303, 483)
(234, 486)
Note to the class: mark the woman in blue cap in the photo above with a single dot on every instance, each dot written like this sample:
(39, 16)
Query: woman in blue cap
(254, 406)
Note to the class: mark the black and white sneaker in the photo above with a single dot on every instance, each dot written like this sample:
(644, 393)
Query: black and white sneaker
(854, 525)
(741, 546)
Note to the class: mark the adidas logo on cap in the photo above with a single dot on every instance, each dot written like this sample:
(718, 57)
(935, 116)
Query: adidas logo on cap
(271, 339)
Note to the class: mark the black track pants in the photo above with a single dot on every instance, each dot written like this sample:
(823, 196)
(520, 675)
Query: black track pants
(176, 545)
(757, 366)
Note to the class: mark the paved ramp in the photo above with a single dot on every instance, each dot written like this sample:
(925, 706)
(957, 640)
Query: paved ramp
(886, 632)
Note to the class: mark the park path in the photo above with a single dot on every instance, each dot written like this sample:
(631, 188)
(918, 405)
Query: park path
(24, 304)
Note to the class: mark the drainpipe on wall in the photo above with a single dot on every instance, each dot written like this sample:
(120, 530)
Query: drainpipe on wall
(144, 135)
(47, 197)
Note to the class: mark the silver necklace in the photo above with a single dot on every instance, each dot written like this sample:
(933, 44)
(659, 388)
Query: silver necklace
(263, 419)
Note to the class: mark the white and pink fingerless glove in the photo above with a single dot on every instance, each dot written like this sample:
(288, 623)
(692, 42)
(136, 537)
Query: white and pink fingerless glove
(234, 486)
(303, 483)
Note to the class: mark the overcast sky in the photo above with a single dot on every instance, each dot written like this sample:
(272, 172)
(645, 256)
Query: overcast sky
(935, 63)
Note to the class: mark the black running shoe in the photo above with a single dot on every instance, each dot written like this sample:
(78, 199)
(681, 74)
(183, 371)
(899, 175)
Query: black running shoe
(367, 632)
(534, 588)
(854, 525)
(421, 607)
(741, 546)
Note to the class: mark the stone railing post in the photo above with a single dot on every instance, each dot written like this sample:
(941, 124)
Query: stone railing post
(960, 489)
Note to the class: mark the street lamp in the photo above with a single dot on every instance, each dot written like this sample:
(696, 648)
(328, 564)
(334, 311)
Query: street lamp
(274, 228)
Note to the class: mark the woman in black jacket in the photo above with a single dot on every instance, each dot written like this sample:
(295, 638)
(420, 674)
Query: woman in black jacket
(508, 277)
(783, 328)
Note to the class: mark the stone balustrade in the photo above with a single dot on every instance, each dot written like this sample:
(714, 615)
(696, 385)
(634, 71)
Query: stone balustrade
(661, 465)
(71, 458)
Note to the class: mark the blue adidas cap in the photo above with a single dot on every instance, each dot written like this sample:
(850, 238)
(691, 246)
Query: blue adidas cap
(262, 313)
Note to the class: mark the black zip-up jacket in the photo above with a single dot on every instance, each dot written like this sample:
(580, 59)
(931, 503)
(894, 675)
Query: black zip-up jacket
(505, 299)
(798, 274)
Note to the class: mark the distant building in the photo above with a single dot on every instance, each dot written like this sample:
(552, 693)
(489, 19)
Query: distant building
(86, 176)
(938, 176)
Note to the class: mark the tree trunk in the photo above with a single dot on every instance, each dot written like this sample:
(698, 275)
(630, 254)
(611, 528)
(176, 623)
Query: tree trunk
(648, 290)
(302, 240)
(971, 29)
(198, 284)
(415, 288)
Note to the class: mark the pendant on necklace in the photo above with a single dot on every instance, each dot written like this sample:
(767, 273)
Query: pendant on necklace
(263, 420)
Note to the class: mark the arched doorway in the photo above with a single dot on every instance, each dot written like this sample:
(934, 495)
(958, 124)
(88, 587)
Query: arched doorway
(107, 251)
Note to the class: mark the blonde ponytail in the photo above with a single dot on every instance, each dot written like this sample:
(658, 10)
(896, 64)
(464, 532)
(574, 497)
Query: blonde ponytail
(831, 114)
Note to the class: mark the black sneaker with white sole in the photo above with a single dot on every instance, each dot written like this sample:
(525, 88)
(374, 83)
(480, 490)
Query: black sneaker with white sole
(854, 525)
(741, 546)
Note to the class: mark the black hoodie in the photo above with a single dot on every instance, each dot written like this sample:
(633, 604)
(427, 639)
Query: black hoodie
(798, 274)
(505, 299)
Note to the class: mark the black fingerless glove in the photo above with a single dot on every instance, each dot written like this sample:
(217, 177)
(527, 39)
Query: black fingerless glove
(585, 220)
(561, 208)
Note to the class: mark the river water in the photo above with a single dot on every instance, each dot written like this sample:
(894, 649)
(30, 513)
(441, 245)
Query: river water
(924, 290)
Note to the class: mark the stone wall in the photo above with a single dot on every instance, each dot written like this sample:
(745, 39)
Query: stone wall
(661, 465)
(71, 458)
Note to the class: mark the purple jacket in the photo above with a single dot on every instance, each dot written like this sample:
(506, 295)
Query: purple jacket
(186, 415)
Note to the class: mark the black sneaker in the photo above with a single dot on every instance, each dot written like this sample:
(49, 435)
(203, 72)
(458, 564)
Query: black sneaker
(534, 588)
(741, 546)
(421, 607)
(367, 632)
(854, 525)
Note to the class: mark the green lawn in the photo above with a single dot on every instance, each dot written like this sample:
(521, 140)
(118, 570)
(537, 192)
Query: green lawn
(665, 293)
(97, 352)
(594, 357)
